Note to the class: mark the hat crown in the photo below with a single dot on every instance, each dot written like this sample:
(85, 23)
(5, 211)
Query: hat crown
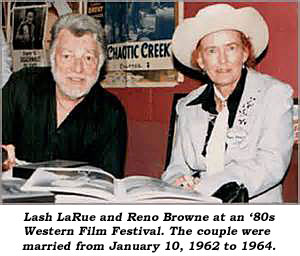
(214, 10)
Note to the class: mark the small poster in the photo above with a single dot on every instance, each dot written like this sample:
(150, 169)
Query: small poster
(96, 10)
(27, 36)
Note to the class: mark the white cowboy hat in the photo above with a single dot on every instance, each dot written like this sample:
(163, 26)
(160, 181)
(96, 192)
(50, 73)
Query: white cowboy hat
(215, 18)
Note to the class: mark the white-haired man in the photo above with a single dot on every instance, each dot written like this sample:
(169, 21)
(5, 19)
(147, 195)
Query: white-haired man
(64, 113)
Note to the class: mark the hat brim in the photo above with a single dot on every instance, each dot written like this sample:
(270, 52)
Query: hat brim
(246, 20)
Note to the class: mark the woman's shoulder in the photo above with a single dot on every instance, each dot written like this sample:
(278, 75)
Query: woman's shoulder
(182, 103)
(269, 83)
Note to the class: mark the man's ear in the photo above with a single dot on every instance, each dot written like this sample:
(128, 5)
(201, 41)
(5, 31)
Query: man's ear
(101, 61)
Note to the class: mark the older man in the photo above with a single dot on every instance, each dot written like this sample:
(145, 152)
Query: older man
(63, 113)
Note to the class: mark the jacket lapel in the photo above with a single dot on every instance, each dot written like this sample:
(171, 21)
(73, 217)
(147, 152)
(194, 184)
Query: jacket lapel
(198, 125)
(247, 112)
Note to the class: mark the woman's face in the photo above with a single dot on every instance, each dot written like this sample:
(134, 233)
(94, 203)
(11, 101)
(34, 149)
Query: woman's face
(221, 55)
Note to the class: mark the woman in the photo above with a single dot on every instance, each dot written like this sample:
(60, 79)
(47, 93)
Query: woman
(238, 127)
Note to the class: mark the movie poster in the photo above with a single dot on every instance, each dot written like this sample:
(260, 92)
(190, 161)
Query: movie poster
(96, 10)
(27, 36)
(139, 44)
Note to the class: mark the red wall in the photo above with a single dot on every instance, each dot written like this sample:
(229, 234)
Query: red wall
(148, 109)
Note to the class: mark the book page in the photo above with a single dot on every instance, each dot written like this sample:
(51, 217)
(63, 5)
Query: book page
(51, 163)
(149, 188)
(11, 192)
(81, 181)
(77, 199)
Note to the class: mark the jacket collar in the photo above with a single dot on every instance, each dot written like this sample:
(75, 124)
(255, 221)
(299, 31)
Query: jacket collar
(206, 98)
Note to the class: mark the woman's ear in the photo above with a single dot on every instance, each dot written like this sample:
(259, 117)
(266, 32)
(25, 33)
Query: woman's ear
(245, 55)
(195, 59)
(200, 61)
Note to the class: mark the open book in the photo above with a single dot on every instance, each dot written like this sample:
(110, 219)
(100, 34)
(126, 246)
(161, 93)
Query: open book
(11, 193)
(25, 169)
(93, 182)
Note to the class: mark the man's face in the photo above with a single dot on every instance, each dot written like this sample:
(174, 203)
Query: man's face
(222, 56)
(75, 69)
(29, 17)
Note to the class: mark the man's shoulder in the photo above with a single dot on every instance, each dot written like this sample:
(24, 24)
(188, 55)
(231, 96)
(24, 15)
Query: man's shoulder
(34, 70)
(30, 78)
(29, 74)
(104, 98)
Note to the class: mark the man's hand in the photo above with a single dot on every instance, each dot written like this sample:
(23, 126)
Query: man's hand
(10, 162)
(187, 182)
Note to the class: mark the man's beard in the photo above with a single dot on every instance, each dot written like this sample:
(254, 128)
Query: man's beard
(75, 92)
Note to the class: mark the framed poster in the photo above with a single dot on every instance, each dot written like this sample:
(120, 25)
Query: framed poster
(28, 28)
(27, 36)
(139, 42)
